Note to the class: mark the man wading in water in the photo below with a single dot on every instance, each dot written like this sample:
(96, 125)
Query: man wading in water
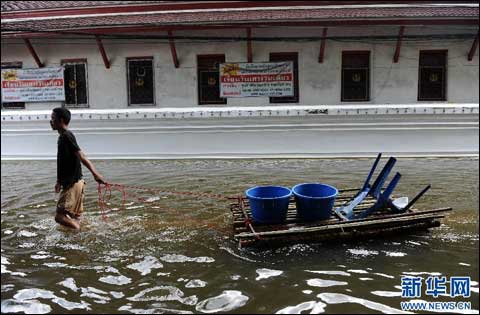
(69, 171)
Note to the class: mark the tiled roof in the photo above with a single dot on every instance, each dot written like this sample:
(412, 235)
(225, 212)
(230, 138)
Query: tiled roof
(232, 16)
(10, 6)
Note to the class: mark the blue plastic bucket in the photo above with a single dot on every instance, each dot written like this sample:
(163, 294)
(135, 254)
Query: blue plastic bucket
(269, 204)
(314, 201)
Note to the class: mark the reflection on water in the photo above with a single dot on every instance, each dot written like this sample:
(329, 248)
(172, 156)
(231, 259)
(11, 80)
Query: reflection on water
(175, 254)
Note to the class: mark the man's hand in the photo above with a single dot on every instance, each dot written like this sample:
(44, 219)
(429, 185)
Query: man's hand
(57, 187)
(99, 178)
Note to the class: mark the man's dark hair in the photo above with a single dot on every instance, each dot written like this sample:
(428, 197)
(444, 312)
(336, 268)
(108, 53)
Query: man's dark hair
(62, 113)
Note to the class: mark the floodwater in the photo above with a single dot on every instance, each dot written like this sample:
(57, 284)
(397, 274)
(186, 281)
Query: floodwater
(175, 254)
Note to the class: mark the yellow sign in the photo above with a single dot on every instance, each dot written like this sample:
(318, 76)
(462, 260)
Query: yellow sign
(10, 75)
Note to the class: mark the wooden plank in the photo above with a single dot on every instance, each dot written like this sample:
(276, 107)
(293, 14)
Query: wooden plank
(349, 224)
(339, 236)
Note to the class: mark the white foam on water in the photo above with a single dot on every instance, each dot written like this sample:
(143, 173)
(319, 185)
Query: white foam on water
(315, 307)
(342, 266)
(464, 264)
(225, 302)
(116, 280)
(68, 305)
(152, 199)
(40, 256)
(95, 294)
(173, 294)
(422, 273)
(320, 283)
(134, 207)
(69, 283)
(27, 307)
(4, 262)
(307, 291)
(117, 295)
(27, 245)
(30, 294)
(175, 258)
(366, 279)
(395, 254)
(72, 247)
(387, 293)
(384, 275)
(414, 243)
(328, 272)
(456, 311)
(264, 273)
(55, 265)
(196, 283)
(146, 266)
(235, 277)
(338, 298)
(362, 252)
(112, 269)
(7, 287)
(8, 232)
(158, 309)
(357, 271)
(24, 233)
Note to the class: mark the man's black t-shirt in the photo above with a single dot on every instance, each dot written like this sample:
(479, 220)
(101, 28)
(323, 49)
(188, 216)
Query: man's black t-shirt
(69, 170)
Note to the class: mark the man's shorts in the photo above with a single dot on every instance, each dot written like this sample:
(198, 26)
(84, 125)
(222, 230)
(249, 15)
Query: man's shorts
(71, 200)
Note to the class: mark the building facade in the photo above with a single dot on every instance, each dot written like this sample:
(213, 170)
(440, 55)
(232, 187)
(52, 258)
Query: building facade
(142, 79)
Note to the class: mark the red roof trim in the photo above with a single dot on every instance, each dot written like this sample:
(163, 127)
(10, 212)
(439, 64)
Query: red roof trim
(130, 8)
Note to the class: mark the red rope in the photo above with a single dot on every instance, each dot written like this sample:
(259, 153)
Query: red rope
(103, 201)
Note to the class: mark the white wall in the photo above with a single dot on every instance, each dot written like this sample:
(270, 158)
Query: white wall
(319, 83)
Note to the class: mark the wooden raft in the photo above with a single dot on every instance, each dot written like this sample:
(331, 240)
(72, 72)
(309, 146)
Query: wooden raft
(249, 233)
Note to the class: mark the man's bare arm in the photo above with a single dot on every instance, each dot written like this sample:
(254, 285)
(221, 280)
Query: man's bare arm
(91, 167)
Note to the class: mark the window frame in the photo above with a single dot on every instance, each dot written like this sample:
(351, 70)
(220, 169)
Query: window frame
(445, 73)
(296, 86)
(12, 65)
(199, 84)
(77, 61)
(141, 58)
(368, 85)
